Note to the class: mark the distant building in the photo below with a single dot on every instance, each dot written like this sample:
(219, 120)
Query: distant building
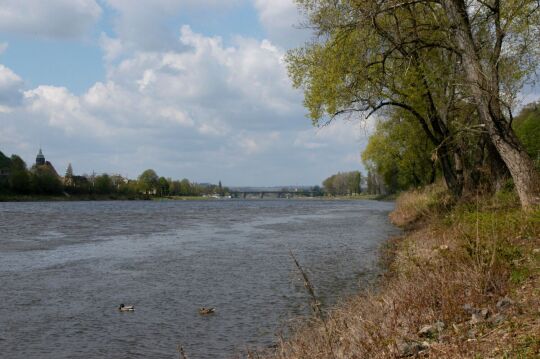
(42, 164)
(40, 159)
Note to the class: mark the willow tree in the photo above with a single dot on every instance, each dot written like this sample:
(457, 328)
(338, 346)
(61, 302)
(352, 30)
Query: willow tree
(367, 58)
(498, 40)
(400, 153)
(372, 55)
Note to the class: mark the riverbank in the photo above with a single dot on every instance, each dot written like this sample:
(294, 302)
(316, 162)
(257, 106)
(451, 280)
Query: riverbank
(463, 282)
(133, 197)
(60, 198)
(96, 197)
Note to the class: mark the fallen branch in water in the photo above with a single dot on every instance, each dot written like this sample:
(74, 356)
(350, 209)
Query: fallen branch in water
(315, 303)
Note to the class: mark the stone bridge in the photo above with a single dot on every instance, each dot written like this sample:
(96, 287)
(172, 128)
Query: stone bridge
(271, 194)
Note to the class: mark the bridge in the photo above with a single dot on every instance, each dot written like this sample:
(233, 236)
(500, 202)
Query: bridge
(272, 194)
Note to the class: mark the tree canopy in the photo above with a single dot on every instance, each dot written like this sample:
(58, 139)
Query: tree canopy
(454, 67)
(343, 183)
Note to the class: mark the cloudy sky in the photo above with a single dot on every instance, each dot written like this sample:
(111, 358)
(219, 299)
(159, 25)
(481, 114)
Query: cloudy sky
(191, 88)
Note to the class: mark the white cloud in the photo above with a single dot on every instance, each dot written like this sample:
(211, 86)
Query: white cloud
(254, 143)
(64, 111)
(281, 19)
(142, 24)
(51, 18)
(208, 90)
(112, 48)
(338, 132)
(10, 89)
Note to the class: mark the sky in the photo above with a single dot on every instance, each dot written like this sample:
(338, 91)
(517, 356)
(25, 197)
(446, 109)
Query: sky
(193, 89)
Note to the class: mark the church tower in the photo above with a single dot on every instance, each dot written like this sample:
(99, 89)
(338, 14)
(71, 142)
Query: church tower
(40, 159)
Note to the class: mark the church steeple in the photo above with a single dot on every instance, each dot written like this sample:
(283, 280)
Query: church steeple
(40, 159)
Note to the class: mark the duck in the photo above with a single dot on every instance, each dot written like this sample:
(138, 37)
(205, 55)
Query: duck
(126, 308)
(205, 311)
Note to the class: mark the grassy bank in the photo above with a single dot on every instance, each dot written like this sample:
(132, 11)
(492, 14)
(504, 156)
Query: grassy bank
(463, 282)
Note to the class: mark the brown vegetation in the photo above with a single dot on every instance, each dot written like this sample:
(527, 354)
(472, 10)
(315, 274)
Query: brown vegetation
(464, 283)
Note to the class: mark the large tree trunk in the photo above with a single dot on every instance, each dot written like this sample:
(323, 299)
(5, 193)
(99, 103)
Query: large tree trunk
(484, 88)
(497, 168)
(453, 175)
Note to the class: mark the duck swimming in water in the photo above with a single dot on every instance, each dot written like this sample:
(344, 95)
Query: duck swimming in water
(126, 308)
(205, 311)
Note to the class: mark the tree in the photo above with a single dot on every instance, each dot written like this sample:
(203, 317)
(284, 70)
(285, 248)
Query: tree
(163, 186)
(45, 181)
(500, 40)
(220, 189)
(5, 165)
(19, 179)
(185, 188)
(148, 181)
(454, 73)
(357, 66)
(343, 183)
(400, 153)
(69, 171)
(103, 184)
(527, 127)
(69, 181)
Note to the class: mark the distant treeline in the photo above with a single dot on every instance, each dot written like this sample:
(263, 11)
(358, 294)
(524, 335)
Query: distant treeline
(343, 184)
(17, 179)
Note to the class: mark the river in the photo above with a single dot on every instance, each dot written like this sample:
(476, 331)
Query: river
(66, 266)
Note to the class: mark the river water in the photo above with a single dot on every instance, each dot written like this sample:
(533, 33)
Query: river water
(66, 266)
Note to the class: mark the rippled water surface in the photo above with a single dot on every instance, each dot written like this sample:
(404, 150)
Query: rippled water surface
(66, 266)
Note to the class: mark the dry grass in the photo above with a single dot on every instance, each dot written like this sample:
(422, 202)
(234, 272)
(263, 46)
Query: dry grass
(474, 254)
(419, 204)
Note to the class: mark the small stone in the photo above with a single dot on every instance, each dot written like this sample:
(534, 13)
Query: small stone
(497, 319)
(429, 331)
(409, 348)
(536, 250)
(443, 247)
(505, 303)
(476, 318)
(426, 331)
(484, 313)
(469, 309)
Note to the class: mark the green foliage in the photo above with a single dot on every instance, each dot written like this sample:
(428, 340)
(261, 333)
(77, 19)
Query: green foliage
(19, 178)
(103, 184)
(148, 181)
(400, 153)
(5, 165)
(527, 127)
(343, 183)
(5, 162)
(45, 181)
(163, 186)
